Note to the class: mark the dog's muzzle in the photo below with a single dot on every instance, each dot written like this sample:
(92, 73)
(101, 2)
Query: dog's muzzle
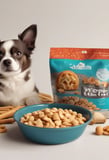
(9, 65)
(7, 62)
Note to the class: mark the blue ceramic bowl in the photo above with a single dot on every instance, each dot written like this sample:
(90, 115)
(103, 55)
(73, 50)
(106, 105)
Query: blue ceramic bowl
(52, 135)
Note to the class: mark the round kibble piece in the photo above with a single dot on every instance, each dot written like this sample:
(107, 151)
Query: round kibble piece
(99, 130)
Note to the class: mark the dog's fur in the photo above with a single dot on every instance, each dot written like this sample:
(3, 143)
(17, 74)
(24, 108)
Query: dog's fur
(16, 84)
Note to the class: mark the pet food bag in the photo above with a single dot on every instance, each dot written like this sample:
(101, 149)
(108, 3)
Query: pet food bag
(80, 76)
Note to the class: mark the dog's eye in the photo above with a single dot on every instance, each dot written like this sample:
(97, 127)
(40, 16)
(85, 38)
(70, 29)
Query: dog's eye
(18, 54)
(1, 54)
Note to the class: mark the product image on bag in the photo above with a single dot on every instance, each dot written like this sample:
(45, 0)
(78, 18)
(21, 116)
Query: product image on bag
(80, 76)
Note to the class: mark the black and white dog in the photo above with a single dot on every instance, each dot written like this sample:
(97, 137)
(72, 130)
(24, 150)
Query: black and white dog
(16, 84)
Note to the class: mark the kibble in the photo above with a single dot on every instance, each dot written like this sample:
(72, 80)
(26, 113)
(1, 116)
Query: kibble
(102, 130)
(99, 130)
(53, 118)
(82, 102)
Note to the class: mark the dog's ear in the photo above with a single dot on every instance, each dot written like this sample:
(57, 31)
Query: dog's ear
(28, 36)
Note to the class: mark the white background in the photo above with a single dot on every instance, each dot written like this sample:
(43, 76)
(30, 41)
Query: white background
(61, 23)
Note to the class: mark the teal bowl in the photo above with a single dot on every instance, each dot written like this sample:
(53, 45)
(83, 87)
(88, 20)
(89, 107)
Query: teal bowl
(52, 135)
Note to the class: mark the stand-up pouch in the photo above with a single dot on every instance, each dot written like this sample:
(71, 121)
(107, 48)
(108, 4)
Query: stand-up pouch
(80, 76)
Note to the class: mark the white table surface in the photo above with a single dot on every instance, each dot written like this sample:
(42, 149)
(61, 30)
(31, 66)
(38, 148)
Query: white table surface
(87, 147)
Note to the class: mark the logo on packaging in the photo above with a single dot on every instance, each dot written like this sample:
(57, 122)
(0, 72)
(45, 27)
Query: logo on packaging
(81, 66)
(103, 74)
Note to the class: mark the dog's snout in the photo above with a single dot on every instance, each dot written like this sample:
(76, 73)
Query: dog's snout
(7, 62)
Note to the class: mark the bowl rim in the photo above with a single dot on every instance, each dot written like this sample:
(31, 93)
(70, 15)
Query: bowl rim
(43, 128)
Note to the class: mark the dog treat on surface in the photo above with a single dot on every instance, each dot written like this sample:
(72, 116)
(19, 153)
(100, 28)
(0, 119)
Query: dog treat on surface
(99, 130)
(7, 121)
(7, 112)
(45, 98)
(53, 118)
(6, 108)
(102, 130)
(2, 111)
(98, 117)
(106, 130)
(10, 112)
(3, 129)
(6, 116)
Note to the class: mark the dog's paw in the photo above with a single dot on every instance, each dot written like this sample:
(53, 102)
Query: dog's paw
(32, 100)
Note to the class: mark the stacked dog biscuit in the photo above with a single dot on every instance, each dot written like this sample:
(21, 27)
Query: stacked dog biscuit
(7, 112)
(6, 116)
(45, 98)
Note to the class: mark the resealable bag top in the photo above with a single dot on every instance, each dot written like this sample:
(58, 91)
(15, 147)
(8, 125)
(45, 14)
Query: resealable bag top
(80, 76)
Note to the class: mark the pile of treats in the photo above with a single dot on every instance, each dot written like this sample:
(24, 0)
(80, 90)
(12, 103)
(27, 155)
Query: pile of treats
(6, 116)
(53, 118)
(7, 112)
(82, 102)
(56, 118)
(102, 130)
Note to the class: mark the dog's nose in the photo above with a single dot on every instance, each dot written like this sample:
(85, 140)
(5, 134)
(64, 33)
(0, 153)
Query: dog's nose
(7, 62)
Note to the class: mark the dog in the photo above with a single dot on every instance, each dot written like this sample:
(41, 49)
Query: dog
(17, 86)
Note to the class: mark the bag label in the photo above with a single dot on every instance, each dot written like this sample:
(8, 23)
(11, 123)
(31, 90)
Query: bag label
(80, 76)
